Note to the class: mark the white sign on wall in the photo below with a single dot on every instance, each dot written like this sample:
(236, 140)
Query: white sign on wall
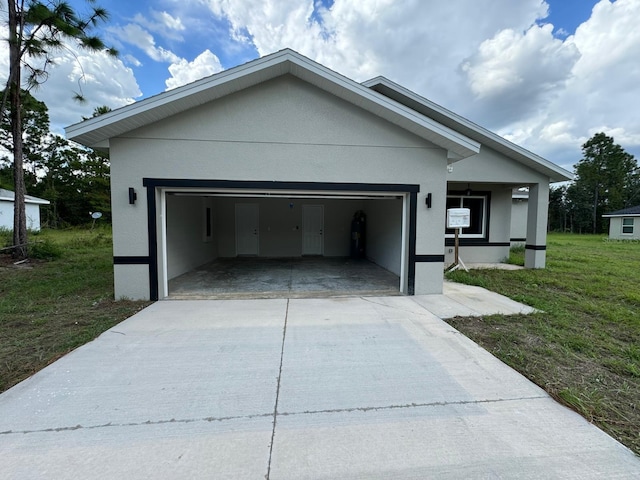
(458, 218)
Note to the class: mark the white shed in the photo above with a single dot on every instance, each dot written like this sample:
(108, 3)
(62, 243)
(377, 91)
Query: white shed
(32, 208)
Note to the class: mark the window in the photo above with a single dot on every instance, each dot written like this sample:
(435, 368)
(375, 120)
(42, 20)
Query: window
(627, 226)
(477, 204)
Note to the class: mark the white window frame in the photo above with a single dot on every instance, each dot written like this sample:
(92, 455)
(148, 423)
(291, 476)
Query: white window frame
(483, 233)
(627, 226)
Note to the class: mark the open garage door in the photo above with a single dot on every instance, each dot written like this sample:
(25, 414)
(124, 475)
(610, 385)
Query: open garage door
(203, 234)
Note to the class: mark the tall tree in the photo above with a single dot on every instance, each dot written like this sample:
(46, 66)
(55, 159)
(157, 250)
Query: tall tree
(558, 209)
(37, 30)
(606, 175)
(35, 128)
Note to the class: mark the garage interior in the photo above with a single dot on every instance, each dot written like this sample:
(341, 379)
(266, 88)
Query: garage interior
(221, 244)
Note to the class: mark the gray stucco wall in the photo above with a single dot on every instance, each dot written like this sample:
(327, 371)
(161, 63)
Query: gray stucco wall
(519, 218)
(499, 227)
(490, 170)
(282, 130)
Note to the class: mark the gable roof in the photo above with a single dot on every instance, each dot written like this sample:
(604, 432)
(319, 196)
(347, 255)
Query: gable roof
(9, 196)
(466, 127)
(96, 132)
(625, 212)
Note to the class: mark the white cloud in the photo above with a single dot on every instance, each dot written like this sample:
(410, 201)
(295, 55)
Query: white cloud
(183, 71)
(135, 35)
(490, 60)
(162, 23)
(102, 79)
(527, 63)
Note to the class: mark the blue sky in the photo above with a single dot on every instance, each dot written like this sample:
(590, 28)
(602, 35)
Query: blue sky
(544, 74)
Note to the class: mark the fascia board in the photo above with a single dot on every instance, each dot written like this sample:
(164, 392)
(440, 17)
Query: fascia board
(487, 137)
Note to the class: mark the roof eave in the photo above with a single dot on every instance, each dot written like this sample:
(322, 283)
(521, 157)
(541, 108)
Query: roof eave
(478, 133)
(96, 131)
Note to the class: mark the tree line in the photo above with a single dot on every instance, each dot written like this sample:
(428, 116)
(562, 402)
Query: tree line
(73, 178)
(38, 29)
(606, 179)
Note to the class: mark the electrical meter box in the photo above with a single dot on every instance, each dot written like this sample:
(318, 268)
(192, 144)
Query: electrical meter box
(458, 218)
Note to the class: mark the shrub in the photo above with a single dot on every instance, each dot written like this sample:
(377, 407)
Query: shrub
(45, 250)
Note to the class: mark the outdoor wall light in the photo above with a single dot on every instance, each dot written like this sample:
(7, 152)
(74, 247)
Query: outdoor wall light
(427, 200)
(468, 191)
(133, 196)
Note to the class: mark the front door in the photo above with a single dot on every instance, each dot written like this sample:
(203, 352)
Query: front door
(247, 233)
(312, 229)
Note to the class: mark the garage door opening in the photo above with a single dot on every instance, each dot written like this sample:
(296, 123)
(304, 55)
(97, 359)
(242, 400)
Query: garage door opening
(221, 243)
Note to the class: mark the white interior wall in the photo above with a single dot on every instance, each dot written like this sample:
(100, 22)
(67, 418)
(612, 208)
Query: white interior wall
(281, 225)
(384, 233)
(186, 245)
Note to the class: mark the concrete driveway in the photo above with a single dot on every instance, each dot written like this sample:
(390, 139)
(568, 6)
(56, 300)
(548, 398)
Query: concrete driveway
(291, 389)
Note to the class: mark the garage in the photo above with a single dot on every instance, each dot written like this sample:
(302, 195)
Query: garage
(237, 239)
(271, 160)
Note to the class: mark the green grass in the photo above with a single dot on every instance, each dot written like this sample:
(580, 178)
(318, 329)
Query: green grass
(584, 348)
(57, 301)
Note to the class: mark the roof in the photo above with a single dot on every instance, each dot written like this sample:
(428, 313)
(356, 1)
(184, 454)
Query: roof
(466, 127)
(625, 212)
(9, 196)
(96, 132)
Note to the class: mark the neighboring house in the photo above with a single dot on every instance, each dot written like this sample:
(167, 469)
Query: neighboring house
(32, 209)
(519, 203)
(273, 158)
(624, 224)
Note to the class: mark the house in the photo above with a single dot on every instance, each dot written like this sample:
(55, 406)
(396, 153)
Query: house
(624, 224)
(273, 157)
(32, 209)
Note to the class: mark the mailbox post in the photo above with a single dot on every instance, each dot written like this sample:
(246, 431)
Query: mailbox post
(458, 218)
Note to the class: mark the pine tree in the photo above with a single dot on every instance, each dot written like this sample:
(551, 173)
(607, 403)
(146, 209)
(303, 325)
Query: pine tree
(36, 31)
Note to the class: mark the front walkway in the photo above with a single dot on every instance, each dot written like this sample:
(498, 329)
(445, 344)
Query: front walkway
(347, 388)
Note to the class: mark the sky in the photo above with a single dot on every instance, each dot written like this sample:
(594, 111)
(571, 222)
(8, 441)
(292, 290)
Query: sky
(546, 75)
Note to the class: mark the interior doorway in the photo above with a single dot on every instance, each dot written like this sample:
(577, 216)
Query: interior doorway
(247, 229)
(312, 229)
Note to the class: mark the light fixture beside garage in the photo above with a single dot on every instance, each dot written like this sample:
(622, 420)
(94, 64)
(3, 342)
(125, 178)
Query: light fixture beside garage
(133, 196)
(427, 200)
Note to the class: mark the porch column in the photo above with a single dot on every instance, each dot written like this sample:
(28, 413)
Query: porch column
(535, 249)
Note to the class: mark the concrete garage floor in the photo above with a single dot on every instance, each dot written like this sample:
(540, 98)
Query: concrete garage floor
(348, 388)
(301, 277)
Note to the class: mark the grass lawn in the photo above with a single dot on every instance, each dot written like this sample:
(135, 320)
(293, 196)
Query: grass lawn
(50, 307)
(584, 348)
